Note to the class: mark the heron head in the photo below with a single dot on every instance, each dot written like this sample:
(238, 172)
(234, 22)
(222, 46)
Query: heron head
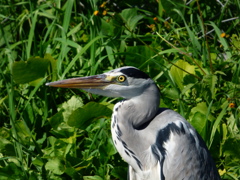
(126, 82)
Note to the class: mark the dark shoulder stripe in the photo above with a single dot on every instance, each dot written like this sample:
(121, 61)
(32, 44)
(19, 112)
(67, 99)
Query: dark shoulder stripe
(136, 73)
(163, 136)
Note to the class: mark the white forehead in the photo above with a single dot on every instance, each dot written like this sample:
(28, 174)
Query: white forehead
(113, 73)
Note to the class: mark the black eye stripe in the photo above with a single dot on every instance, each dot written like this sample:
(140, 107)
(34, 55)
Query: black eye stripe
(132, 72)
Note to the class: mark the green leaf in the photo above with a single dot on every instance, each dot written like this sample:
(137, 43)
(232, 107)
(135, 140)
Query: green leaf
(131, 18)
(120, 172)
(23, 132)
(138, 55)
(31, 70)
(31, 36)
(79, 54)
(110, 28)
(199, 122)
(82, 117)
(92, 178)
(178, 75)
(107, 149)
(110, 55)
(170, 5)
(56, 120)
(201, 107)
(199, 117)
(38, 162)
(55, 165)
(53, 66)
(171, 93)
(211, 80)
(11, 171)
(222, 40)
(235, 41)
(6, 147)
(217, 121)
(70, 106)
(229, 147)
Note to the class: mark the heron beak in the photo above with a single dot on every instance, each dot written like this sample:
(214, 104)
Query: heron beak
(89, 82)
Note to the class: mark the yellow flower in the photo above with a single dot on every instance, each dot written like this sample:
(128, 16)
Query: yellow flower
(96, 13)
(223, 35)
(104, 13)
(166, 24)
(155, 19)
(103, 5)
(152, 26)
(232, 105)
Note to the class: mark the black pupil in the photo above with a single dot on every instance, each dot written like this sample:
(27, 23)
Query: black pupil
(121, 78)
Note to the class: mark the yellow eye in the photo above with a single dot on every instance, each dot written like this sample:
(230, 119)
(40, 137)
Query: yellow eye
(121, 78)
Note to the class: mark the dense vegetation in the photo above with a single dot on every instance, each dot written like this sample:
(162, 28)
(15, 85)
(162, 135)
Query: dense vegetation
(191, 50)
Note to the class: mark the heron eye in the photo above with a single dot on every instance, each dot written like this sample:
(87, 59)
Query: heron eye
(121, 78)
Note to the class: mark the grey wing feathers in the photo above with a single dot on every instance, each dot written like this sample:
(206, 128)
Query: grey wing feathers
(183, 154)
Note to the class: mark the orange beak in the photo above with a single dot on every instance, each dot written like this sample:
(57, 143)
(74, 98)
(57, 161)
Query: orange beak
(89, 82)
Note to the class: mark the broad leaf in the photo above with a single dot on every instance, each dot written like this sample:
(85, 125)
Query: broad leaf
(30, 70)
(131, 18)
(56, 120)
(92, 178)
(55, 165)
(70, 106)
(82, 117)
(199, 122)
(178, 75)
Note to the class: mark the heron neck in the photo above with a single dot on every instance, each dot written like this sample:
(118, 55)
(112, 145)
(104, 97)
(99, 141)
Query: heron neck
(140, 109)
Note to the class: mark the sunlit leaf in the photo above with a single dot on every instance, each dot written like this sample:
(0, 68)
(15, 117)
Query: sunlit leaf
(55, 165)
(178, 74)
(71, 105)
(92, 178)
(38, 162)
(201, 107)
(199, 122)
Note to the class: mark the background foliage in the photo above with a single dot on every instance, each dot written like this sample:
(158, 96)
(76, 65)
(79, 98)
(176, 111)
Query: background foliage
(191, 49)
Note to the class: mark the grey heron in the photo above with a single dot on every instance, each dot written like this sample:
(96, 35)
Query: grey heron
(157, 143)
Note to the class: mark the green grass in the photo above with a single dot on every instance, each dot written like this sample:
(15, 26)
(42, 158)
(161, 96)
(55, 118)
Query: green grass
(49, 133)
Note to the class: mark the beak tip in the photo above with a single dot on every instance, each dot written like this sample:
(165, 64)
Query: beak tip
(47, 84)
